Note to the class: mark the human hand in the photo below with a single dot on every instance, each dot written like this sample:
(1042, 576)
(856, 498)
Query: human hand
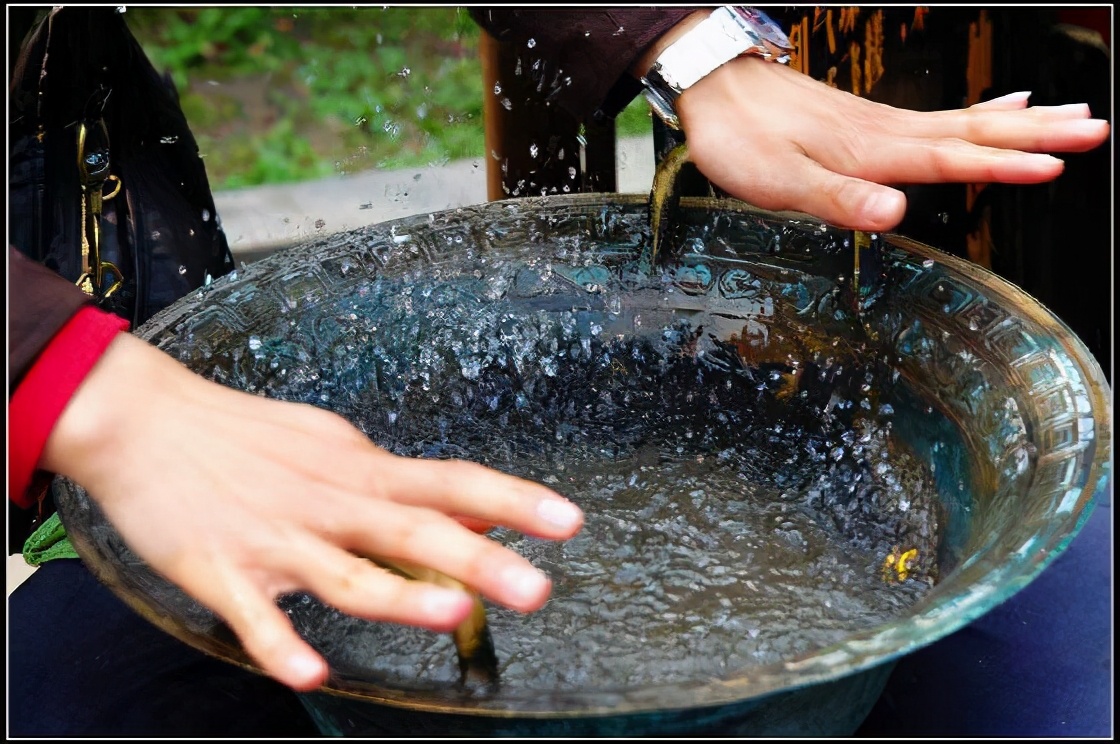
(238, 499)
(781, 140)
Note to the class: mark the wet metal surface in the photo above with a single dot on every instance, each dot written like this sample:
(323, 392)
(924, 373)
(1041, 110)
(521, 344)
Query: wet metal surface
(788, 479)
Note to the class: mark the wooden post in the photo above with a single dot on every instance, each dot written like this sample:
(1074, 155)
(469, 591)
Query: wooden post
(534, 147)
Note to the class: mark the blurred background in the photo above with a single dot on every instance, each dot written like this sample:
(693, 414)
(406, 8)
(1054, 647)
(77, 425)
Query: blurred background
(280, 95)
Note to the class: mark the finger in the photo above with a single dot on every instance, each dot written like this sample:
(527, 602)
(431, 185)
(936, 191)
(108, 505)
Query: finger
(913, 160)
(468, 489)
(263, 628)
(465, 489)
(1061, 112)
(359, 587)
(428, 538)
(1043, 113)
(1040, 129)
(1018, 101)
(800, 183)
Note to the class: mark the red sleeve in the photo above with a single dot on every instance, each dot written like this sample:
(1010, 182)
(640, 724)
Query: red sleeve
(44, 391)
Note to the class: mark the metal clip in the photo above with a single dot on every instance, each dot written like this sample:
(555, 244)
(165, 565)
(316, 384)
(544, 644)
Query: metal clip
(93, 173)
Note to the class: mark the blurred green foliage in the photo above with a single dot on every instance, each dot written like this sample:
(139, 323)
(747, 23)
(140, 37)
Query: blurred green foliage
(282, 94)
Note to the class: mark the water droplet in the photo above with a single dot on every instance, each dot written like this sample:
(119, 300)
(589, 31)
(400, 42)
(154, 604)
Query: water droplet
(169, 140)
(531, 43)
(928, 263)
(497, 88)
(254, 343)
(507, 104)
(533, 150)
(182, 270)
(206, 215)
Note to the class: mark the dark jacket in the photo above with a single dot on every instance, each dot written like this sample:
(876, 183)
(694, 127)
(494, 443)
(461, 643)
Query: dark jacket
(593, 47)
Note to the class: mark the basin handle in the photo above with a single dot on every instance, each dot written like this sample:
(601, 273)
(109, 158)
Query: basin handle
(665, 204)
(478, 662)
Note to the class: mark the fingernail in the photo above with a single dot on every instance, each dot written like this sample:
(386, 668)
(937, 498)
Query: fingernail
(304, 667)
(1042, 160)
(526, 585)
(884, 206)
(443, 602)
(1018, 97)
(1071, 108)
(1083, 126)
(559, 512)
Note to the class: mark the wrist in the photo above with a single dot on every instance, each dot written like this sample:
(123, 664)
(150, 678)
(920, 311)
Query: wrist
(49, 386)
(702, 44)
(739, 81)
(92, 433)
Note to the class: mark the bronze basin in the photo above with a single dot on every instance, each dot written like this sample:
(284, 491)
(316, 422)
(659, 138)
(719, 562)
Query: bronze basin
(934, 419)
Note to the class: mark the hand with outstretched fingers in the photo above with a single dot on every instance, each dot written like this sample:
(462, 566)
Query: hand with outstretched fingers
(781, 140)
(239, 499)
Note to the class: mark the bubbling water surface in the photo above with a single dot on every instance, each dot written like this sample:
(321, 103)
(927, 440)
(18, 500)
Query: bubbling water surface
(737, 513)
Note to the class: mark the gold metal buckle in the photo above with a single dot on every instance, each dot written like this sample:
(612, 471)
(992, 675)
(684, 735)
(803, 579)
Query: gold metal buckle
(93, 172)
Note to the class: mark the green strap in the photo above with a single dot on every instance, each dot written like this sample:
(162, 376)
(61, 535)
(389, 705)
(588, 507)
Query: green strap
(48, 542)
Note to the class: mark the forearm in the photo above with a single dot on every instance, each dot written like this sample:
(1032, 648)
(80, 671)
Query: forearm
(118, 384)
